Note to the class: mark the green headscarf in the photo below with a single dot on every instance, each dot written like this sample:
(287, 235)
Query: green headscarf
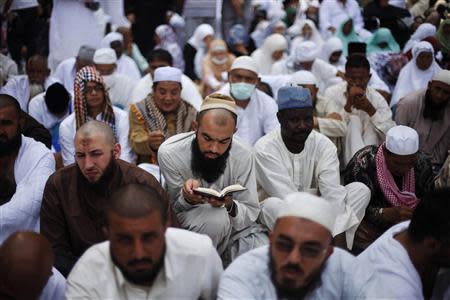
(443, 40)
(346, 39)
(382, 35)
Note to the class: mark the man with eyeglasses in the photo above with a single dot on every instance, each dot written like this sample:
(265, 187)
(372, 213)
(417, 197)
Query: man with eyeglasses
(300, 261)
(365, 111)
(92, 102)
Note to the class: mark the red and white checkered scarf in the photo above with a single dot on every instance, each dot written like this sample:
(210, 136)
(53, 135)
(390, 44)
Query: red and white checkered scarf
(85, 75)
(407, 197)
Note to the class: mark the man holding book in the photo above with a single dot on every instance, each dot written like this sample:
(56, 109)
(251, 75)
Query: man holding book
(209, 157)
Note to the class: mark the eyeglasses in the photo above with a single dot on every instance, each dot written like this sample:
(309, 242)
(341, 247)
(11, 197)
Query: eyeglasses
(97, 88)
(308, 251)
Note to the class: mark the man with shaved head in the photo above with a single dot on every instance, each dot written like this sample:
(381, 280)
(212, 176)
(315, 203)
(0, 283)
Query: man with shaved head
(144, 259)
(26, 261)
(209, 157)
(25, 166)
(36, 81)
(72, 213)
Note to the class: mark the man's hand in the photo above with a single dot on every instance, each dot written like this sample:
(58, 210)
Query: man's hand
(397, 214)
(155, 139)
(364, 104)
(188, 192)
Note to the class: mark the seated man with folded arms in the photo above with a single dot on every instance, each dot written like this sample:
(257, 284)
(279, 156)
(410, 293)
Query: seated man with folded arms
(295, 158)
(143, 259)
(299, 263)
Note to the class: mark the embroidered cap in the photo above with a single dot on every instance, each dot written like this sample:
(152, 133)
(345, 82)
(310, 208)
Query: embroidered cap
(402, 140)
(217, 100)
(293, 97)
(167, 74)
(105, 56)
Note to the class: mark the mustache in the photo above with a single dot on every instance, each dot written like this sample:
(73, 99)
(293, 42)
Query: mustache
(292, 268)
(135, 262)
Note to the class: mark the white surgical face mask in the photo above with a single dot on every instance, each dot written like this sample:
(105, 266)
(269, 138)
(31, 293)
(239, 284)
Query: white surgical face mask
(219, 61)
(241, 90)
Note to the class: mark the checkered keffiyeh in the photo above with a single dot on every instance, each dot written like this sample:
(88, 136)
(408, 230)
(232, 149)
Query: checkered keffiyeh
(85, 75)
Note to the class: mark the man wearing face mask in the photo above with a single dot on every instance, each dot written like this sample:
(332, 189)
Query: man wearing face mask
(257, 112)
(120, 87)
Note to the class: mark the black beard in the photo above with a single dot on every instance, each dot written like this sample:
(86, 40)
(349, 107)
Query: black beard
(206, 168)
(143, 278)
(10, 146)
(105, 178)
(433, 111)
(299, 293)
(7, 189)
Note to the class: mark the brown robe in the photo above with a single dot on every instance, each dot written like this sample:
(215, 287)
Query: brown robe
(72, 213)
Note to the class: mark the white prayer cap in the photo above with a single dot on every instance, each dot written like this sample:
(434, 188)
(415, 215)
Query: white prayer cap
(306, 51)
(310, 207)
(402, 140)
(105, 56)
(111, 37)
(303, 77)
(246, 63)
(167, 74)
(442, 76)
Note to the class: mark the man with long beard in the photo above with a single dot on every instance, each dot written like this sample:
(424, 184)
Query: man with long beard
(144, 259)
(210, 157)
(25, 166)
(299, 263)
(428, 112)
(74, 199)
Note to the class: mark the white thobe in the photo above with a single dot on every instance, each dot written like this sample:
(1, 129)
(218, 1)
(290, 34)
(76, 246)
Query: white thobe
(174, 158)
(396, 275)
(316, 169)
(333, 13)
(362, 129)
(19, 88)
(66, 73)
(250, 277)
(71, 26)
(116, 11)
(127, 67)
(120, 89)
(8, 69)
(33, 165)
(191, 270)
(67, 132)
(39, 111)
(257, 119)
(54, 289)
(189, 91)
(375, 81)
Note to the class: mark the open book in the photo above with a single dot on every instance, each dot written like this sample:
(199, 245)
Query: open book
(206, 192)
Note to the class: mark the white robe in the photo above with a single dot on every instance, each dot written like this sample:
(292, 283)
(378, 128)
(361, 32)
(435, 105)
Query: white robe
(39, 111)
(71, 26)
(191, 270)
(127, 67)
(120, 89)
(19, 88)
(33, 165)
(257, 119)
(65, 73)
(362, 129)
(55, 287)
(316, 169)
(263, 55)
(249, 277)
(189, 91)
(333, 13)
(67, 132)
(396, 276)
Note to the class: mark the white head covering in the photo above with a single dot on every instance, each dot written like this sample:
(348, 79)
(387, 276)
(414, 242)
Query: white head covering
(263, 55)
(297, 28)
(333, 44)
(105, 56)
(442, 76)
(245, 62)
(305, 51)
(260, 33)
(411, 78)
(310, 207)
(303, 77)
(200, 33)
(402, 140)
(167, 74)
(423, 31)
(111, 37)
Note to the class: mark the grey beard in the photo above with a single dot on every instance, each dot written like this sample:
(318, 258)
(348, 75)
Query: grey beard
(35, 89)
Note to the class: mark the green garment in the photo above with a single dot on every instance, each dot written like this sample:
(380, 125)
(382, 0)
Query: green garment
(444, 40)
(346, 39)
(382, 35)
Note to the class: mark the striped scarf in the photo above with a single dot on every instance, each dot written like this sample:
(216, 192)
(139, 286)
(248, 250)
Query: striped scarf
(393, 195)
(85, 75)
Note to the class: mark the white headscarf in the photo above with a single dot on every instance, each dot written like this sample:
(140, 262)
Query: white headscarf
(197, 42)
(423, 31)
(260, 33)
(303, 52)
(297, 29)
(333, 44)
(263, 55)
(411, 78)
